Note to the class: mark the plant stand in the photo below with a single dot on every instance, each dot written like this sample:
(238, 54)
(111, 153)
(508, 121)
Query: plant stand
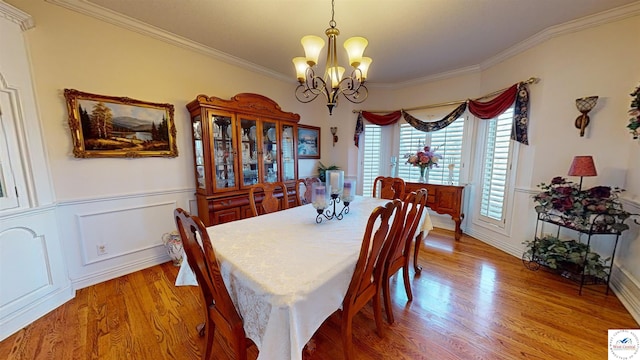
(577, 270)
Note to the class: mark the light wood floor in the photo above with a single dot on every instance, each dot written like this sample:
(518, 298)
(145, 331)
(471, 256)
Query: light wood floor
(470, 302)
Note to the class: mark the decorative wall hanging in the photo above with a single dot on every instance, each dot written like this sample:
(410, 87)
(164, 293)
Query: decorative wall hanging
(308, 142)
(109, 126)
(634, 121)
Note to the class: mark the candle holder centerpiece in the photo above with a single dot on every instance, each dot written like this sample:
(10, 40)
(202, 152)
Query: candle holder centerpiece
(325, 197)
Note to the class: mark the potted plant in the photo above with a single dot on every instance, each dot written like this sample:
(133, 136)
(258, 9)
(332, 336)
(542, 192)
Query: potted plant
(568, 256)
(322, 170)
(597, 209)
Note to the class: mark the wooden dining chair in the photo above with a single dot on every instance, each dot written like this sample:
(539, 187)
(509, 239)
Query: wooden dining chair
(399, 250)
(220, 312)
(367, 276)
(270, 202)
(387, 187)
(303, 190)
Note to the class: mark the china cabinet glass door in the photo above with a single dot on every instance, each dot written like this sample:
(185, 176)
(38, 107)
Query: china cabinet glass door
(270, 151)
(224, 162)
(249, 151)
(199, 152)
(288, 157)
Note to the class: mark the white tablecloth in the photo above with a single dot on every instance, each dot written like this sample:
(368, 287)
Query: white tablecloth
(286, 274)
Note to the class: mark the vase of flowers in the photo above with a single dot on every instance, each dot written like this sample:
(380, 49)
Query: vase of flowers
(425, 159)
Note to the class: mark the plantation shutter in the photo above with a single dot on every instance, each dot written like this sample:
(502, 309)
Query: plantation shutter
(448, 142)
(372, 157)
(495, 167)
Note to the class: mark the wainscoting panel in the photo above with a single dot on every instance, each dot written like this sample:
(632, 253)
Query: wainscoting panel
(113, 236)
(33, 276)
(104, 231)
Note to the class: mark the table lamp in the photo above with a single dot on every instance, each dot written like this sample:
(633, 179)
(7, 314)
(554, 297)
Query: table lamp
(582, 166)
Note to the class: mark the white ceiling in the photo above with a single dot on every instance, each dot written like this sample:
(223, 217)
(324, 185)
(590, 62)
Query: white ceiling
(408, 39)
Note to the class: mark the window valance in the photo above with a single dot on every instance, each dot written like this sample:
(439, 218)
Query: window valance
(517, 94)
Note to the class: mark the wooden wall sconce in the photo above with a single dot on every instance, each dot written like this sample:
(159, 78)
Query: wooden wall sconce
(334, 131)
(584, 105)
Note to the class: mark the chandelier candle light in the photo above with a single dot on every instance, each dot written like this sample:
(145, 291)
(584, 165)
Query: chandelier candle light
(328, 195)
(332, 83)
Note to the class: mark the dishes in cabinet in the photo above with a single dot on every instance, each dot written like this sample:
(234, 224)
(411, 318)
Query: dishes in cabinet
(197, 130)
(252, 133)
(287, 133)
(271, 134)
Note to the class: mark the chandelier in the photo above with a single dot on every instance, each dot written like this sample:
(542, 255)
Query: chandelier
(332, 84)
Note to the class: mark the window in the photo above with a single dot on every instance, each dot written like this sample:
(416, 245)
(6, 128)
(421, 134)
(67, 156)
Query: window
(448, 142)
(495, 167)
(371, 156)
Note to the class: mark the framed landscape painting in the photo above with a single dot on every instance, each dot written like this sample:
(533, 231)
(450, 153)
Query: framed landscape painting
(109, 126)
(308, 142)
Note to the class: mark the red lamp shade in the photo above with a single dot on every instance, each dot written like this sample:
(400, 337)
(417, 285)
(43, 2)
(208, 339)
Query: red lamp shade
(583, 166)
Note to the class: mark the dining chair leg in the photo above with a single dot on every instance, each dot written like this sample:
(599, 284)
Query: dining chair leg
(386, 294)
(209, 332)
(377, 313)
(347, 333)
(416, 250)
(241, 350)
(405, 275)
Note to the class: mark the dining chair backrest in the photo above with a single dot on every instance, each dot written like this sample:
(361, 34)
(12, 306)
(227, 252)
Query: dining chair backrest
(303, 190)
(387, 187)
(220, 312)
(270, 202)
(366, 279)
(399, 250)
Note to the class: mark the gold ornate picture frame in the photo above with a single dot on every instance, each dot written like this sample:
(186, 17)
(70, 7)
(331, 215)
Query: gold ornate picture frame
(110, 126)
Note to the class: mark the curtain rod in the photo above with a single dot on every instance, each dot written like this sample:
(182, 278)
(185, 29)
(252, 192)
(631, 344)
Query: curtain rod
(532, 80)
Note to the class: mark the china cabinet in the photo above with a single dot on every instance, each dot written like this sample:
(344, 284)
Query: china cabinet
(237, 143)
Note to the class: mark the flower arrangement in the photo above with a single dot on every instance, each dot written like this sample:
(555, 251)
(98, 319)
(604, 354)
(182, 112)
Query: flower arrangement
(634, 121)
(596, 209)
(425, 158)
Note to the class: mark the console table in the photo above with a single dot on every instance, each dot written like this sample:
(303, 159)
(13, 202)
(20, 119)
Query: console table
(443, 199)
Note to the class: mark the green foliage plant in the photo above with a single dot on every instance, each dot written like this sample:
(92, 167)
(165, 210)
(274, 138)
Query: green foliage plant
(567, 255)
(322, 170)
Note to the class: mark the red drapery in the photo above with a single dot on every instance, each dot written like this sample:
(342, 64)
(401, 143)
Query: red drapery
(495, 107)
(382, 120)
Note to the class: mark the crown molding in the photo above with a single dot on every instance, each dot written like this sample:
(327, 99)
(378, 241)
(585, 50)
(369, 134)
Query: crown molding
(17, 16)
(586, 22)
(87, 8)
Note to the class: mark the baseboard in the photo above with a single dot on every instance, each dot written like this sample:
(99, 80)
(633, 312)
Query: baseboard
(115, 272)
(25, 316)
(627, 290)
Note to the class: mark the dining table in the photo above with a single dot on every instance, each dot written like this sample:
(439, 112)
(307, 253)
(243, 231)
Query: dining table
(286, 273)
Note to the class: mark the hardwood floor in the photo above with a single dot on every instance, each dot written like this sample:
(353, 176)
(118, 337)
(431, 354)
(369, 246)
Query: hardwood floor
(471, 301)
